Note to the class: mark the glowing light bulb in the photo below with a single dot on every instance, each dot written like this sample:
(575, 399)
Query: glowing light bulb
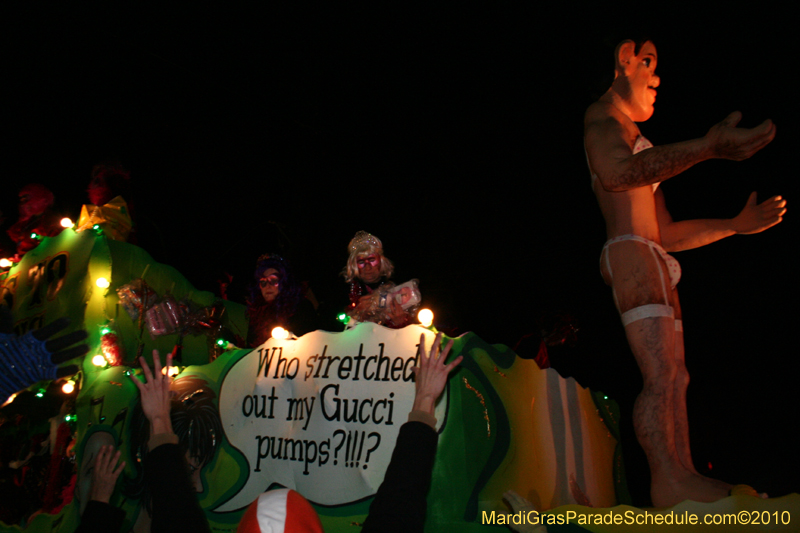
(5, 263)
(279, 333)
(105, 331)
(103, 283)
(173, 371)
(99, 360)
(425, 317)
(68, 387)
(10, 399)
(67, 222)
(342, 317)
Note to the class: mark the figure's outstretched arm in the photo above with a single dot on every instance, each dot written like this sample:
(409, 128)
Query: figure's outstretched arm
(688, 234)
(608, 132)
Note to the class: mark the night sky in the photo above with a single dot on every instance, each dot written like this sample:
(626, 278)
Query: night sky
(455, 135)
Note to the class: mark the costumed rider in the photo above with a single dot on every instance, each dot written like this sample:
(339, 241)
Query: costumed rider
(35, 216)
(276, 299)
(108, 189)
(373, 298)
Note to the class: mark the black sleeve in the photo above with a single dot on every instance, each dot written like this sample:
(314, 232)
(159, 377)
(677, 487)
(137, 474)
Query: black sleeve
(174, 500)
(99, 517)
(402, 499)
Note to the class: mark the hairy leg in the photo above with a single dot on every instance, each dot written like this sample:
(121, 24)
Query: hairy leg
(679, 395)
(682, 442)
(639, 291)
(653, 413)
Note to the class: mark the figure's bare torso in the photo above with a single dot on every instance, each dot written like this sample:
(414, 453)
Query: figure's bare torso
(626, 212)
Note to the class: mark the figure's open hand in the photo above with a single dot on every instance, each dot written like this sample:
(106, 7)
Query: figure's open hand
(431, 374)
(729, 142)
(755, 218)
(520, 504)
(105, 473)
(155, 393)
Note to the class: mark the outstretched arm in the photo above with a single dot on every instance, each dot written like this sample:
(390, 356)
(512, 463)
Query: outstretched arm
(610, 135)
(688, 234)
(401, 502)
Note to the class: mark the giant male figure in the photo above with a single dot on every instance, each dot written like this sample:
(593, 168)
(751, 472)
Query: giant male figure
(626, 171)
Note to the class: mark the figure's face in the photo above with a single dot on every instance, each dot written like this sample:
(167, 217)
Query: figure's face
(99, 191)
(369, 267)
(31, 203)
(270, 284)
(640, 74)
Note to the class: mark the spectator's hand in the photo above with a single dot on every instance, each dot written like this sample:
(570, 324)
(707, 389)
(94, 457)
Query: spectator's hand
(520, 504)
(431, 374)
(155, 394)
(755, 218)
(105, 474)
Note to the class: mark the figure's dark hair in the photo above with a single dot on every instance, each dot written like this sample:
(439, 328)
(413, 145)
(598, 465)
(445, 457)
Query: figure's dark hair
(288, 298)
(639, 43)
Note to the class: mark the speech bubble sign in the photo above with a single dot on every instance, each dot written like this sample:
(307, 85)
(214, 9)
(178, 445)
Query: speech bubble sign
(321, 414)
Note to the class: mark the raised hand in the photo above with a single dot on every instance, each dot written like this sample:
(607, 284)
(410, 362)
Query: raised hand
(755, 218)
(431, 374)
(155, 394)
(729, 142)
(105, 474)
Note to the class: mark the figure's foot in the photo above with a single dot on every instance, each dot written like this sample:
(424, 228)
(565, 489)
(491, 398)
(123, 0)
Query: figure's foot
(747, 490)
(668, 492)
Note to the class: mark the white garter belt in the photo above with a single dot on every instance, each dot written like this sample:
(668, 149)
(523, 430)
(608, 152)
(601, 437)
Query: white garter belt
(673, 270)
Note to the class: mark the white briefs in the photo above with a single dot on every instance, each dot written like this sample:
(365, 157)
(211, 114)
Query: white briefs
(673, 271)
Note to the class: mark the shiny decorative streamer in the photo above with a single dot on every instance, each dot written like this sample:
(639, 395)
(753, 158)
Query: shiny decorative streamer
(483, 403)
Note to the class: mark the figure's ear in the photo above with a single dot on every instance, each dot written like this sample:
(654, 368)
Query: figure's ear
(624, 54)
